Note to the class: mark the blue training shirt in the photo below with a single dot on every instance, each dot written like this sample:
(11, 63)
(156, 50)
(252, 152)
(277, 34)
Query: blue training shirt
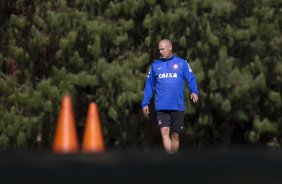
(166, 79)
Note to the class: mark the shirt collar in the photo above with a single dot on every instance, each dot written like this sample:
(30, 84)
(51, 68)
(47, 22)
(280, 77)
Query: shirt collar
(168, 59)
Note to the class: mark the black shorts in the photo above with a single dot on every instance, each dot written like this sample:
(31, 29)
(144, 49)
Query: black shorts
(172, 119)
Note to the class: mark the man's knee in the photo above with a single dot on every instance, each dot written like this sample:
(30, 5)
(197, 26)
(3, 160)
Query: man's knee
(174, 136)
(165, 131)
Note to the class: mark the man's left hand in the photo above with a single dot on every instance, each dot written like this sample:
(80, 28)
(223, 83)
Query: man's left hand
(194, 97)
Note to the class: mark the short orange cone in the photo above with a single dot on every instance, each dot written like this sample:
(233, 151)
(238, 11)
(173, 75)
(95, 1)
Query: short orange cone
(93, 141)
(65, 140)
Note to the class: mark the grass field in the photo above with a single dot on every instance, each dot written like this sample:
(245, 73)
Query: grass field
(201, 166)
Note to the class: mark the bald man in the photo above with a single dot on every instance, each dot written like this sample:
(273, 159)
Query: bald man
(166, 78)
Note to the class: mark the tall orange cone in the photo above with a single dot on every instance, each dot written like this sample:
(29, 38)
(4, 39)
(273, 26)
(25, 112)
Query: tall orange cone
(65, 140)
(93, 141)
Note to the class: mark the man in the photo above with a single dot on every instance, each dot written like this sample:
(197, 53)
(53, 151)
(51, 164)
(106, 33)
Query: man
(166, 79)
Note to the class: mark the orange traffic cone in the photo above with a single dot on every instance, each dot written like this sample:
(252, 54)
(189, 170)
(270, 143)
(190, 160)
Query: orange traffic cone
(65, 136)
(93, 141)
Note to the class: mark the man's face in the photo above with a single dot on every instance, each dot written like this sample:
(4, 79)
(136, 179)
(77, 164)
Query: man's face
(165, 50)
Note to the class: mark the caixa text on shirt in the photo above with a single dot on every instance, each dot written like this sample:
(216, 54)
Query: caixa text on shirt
(167, 75)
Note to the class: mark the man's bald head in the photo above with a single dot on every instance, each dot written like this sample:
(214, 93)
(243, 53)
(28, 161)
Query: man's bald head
(165, 48)
(166, 42)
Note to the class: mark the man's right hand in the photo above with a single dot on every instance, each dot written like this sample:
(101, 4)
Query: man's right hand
(146, 111)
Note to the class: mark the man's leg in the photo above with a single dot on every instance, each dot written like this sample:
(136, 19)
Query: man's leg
(174, 142)
(166, 139)
(176, 128)
(164, 119)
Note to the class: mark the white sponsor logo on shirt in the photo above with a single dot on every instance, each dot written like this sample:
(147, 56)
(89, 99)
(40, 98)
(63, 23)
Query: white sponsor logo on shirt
(168, 75)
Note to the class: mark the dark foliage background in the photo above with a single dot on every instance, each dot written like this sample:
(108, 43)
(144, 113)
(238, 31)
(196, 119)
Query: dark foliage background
(101, 51)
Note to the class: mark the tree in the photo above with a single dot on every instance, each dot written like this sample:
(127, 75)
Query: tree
(101, 51)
